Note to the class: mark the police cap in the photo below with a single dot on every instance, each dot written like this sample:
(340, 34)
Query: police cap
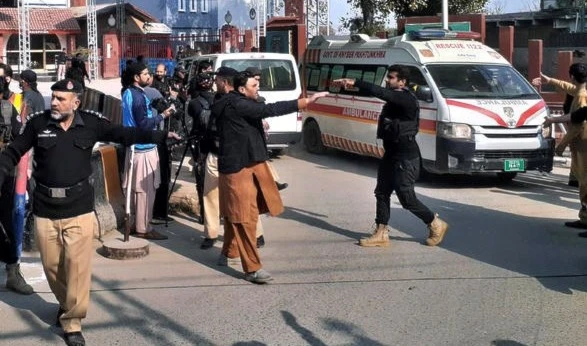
(68, 85)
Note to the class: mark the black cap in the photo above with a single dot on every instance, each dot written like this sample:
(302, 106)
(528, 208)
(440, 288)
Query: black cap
(255, 71)
(29, 76)
(224, 71)
(68, 85)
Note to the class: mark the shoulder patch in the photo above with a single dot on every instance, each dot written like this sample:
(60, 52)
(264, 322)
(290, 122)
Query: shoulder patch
(37, 114)
(95, 113)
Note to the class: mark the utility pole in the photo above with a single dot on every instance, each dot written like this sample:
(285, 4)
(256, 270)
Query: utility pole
(121, 25)
(24, 35)
(317, 15)
(582, 16)
(261, 20)
(92, 38)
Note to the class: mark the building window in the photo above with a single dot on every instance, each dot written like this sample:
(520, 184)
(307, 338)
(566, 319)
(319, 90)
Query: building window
(182, 36)
(204, 6)
(193, 6)
(181, 5)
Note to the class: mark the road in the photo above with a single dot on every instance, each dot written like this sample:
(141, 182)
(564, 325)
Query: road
(508, 272)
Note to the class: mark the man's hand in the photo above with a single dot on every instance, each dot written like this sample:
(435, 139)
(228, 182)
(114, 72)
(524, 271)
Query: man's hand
(346, 83)
(316, 96)
(168, 112)
(173, 135)
(548, 121)
(543, 79)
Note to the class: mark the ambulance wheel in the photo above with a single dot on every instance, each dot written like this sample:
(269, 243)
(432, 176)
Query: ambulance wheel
(506, 177)
(313, 138)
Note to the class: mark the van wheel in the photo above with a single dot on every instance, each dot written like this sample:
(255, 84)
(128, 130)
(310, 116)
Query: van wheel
(313, 138)
(506, 177)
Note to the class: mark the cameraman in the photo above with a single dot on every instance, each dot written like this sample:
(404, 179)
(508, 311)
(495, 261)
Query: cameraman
(199, 110)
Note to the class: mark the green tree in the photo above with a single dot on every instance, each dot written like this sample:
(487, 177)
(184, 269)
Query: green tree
(374, 12)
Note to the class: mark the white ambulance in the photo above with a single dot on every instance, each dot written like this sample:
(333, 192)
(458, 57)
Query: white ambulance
(280, 81)
(477, 113)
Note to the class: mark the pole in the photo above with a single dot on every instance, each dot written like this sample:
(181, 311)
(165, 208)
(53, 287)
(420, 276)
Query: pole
(582, 16)
(445, 14)
(130, 174)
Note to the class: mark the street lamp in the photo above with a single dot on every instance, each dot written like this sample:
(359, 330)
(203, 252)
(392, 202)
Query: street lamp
(228, 17)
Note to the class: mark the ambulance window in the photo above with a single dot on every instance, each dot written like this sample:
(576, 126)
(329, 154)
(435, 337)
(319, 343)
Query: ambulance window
(381, 72)
(324, 70)
(354, 74)
(369, 77)
(337, 72)
(416, 77)
(314, 79)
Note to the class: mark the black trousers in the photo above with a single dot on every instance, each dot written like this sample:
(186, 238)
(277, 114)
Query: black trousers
(8, 253)
(399, 176)
(161, 206)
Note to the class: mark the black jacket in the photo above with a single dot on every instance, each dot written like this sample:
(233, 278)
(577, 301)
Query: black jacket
(63, 158)
(203, 127)
(239, 121)
(398, 122)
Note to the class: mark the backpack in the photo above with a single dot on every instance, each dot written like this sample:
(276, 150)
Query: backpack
(204, 116)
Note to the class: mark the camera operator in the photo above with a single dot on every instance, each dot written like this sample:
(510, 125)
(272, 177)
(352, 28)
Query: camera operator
(199, 110)
(161, 80)
(161, 205)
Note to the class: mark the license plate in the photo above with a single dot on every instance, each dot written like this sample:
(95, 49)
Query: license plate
(514, 165)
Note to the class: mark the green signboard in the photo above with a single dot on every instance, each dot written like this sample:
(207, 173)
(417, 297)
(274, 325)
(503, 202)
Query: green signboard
(452, 26)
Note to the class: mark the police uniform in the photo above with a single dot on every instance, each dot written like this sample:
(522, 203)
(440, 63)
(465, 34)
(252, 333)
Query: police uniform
(63, 203)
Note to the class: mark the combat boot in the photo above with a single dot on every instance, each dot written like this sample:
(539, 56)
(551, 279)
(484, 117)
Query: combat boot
(15, 281)
(437, 229)
(380, 237)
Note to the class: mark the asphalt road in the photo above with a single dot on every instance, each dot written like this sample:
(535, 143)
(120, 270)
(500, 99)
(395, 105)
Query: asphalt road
(508, 273)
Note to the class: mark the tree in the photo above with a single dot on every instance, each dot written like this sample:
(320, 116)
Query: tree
(374, 12)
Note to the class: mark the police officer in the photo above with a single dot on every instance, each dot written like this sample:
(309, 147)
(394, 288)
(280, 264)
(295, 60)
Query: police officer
(400, 166)
(63, 203)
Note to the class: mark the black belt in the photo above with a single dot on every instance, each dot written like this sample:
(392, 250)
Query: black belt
(61, 192)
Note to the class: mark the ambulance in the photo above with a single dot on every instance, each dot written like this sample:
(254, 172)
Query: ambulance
(477, 113)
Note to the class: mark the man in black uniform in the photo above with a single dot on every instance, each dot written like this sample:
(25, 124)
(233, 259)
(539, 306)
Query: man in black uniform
(398, 126)
(63, 203)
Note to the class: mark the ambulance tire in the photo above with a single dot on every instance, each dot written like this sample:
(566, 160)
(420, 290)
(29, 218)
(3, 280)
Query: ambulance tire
(312, 137)
(506, 177)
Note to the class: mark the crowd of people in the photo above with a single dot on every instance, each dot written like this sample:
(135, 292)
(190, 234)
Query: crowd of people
(220, 117)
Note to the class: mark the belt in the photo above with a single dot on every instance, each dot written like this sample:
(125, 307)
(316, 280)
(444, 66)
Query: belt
(61, 192)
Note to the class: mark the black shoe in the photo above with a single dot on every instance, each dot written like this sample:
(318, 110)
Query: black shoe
(207, 243)
(74, 339)
(573, 183)
(161, 220)
(260, 242)
(583, 234)
(281, 186)
(57, 320)
(576, 224)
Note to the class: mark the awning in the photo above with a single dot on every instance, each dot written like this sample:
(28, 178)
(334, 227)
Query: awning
(151, 27)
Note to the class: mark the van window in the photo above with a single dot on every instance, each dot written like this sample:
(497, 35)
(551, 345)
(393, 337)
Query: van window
(481, 81)
(327, 73)
(276, 75)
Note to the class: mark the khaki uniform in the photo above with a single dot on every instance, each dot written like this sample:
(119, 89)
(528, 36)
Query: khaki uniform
(576, 139)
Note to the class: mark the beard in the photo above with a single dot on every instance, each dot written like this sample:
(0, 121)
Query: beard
(59, 117)
(144, 84)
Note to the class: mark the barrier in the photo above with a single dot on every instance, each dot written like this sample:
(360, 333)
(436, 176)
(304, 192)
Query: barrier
(108, 198)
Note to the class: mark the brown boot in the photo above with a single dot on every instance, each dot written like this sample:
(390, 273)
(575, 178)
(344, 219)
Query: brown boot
(437, 229)
(379, 238)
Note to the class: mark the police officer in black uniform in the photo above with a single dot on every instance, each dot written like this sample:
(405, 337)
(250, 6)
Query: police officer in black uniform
(398, 126)
(63, 203)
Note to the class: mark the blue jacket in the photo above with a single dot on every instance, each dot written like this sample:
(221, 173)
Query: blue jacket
(136, 112)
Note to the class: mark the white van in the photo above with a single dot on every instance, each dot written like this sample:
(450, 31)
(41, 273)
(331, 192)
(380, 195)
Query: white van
(477, 113)
(280, 81)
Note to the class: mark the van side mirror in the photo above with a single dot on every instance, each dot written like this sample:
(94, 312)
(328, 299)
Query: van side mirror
(424, 93)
